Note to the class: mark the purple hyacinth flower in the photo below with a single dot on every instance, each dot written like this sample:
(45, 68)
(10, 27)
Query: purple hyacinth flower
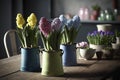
(95, 32)
(56, 24)
(76, 21)
(102, 33)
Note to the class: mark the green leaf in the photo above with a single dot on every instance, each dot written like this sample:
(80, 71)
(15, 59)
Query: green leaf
(19, 33)
(43, 40)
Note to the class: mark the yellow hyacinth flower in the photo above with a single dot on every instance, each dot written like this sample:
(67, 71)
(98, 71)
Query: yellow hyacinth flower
(32, 20)
(20, 21)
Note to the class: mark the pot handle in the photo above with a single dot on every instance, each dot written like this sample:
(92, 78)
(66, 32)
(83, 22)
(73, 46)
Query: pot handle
(41, 50)
(62, 52)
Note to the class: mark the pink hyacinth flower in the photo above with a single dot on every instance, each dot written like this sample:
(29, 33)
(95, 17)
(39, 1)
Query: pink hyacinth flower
(83, 44)
(45, 26)
(56, 23)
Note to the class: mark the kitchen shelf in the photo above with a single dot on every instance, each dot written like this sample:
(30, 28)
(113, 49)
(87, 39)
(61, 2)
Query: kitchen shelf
(100, 22)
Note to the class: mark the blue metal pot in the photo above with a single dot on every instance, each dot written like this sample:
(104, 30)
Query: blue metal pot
(69, 55)
(30, 59)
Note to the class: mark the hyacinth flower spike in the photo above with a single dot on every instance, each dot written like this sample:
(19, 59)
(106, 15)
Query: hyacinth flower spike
(45, 29)
(45, 26)
(63, 20)
(76, 21)
(70, 29)
(20, 21)
(56, 27)
(32, 20)
(56, 24)
(50, 31)
(76, 25)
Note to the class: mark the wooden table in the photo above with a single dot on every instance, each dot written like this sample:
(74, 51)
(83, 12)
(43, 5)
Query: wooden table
(85, 70)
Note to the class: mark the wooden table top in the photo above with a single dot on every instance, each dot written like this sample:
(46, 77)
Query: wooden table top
(85, 70)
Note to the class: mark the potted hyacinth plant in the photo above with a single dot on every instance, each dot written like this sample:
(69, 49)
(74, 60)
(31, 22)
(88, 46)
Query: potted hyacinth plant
(70, 29)
(28, 36)
(99, 40)
(84, 51)
(50, 32)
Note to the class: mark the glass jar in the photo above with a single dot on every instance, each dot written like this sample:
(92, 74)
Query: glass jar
(86, 14)
(108, 15)
(102, 16)
(115, 14)
(81, 13)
